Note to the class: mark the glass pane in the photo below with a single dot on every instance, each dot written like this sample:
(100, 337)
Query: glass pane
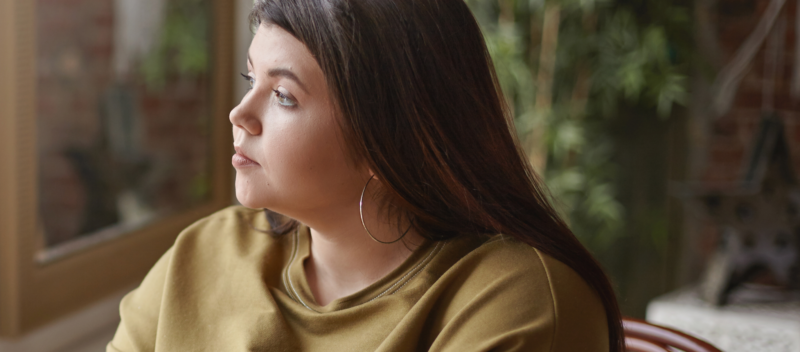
(123, 106)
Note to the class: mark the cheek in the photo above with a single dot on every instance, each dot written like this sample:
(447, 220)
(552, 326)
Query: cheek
(313, 155)
(305, 162)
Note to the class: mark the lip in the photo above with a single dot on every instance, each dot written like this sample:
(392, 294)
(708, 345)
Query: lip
(240, 159)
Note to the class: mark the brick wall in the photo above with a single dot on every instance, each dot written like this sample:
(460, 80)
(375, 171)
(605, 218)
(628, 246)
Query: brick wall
(73, 63)
(720, 146)
(730, 136)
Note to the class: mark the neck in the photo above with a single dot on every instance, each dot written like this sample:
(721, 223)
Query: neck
(345, 260)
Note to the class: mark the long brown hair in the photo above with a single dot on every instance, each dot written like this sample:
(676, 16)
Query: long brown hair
(420, 104)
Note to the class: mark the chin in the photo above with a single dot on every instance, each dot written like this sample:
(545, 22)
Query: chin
(255, 198)
(247, 196)
(245, 202)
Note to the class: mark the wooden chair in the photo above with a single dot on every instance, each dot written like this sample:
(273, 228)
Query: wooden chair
(641, 336)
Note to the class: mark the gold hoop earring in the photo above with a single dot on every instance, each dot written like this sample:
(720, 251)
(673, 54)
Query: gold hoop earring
(361, 212)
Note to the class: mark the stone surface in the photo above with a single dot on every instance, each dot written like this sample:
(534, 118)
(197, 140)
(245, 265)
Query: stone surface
(763, 327)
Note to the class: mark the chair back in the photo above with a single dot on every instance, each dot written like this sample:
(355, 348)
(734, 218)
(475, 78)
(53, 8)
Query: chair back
(641, 336)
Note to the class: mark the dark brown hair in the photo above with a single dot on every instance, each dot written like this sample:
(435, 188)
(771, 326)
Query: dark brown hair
(419, 103)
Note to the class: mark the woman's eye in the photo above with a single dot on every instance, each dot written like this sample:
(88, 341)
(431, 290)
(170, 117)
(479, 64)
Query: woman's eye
(249, 79)
(283, 99)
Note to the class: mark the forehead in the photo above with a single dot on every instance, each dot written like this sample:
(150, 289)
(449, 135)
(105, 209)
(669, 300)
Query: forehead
(273, 47)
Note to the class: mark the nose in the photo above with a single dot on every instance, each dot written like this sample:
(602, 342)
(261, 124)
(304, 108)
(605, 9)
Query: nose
(245, 117)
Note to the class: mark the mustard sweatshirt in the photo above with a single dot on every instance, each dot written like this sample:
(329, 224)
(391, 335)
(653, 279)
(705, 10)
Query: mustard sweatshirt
(225, 286)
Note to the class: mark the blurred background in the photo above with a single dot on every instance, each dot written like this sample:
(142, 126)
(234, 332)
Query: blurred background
(667, 132)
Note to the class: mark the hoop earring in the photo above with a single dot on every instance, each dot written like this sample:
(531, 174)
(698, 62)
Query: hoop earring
(361, 212)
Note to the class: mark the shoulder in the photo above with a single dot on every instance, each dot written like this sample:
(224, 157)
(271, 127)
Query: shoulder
(226, 232)
(234, 226)
(197, 266)
(526, 291)
(233, 239)
(233, 218)
(579, 316)
(536, 268)
(230, 240)
(505, 257)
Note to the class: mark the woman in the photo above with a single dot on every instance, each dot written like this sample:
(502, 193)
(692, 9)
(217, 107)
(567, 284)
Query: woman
(410, 219)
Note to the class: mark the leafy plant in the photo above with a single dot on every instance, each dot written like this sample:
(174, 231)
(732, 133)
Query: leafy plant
(569, 69)
(182, 48)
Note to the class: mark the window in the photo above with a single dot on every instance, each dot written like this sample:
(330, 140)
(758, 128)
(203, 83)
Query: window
(113, 138)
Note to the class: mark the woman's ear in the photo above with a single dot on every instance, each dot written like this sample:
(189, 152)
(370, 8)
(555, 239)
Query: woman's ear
(371, 174)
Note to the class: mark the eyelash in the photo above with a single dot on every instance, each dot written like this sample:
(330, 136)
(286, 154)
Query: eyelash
(248, 79)
(278, 94)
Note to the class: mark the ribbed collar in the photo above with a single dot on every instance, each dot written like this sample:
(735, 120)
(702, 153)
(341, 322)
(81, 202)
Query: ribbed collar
(296, 283)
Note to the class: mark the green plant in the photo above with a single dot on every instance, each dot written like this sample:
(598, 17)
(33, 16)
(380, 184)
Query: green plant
(183, 45)
(569, 69)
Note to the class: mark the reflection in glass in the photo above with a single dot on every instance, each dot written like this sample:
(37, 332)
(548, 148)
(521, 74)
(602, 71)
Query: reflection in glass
(122, 105)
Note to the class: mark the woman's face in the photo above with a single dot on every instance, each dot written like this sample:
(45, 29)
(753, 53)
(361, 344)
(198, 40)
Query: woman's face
(286, 126)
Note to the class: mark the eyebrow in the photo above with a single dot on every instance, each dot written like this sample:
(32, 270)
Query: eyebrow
(282, 72)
